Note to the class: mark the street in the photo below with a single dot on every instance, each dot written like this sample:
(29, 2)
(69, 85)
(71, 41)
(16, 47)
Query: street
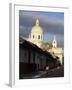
(56, 72)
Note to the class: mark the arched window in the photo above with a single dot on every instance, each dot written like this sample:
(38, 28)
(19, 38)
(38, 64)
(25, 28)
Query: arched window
(33, 36)
(38, 36)
(54, 41)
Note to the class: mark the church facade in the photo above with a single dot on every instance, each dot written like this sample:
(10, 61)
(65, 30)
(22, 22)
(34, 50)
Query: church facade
(36, 37)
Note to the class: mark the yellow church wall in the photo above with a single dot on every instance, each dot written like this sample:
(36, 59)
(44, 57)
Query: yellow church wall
(57, 52)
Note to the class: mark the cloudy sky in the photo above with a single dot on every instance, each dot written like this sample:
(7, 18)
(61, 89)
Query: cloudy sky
(52, 24)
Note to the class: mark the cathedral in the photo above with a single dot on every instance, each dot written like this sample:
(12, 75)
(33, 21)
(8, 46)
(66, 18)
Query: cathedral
(36, 37)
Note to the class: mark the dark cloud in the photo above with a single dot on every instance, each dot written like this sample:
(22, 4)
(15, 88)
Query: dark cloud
(50, 25)
(24, 31)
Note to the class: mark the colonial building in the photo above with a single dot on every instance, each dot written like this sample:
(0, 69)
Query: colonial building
(36, 37)
(33, 59)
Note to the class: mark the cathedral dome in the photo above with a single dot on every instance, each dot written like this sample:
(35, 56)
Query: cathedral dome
(37, 28)
(36, 35)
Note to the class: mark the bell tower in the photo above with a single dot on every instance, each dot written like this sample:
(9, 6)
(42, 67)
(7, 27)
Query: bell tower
(54, 43)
